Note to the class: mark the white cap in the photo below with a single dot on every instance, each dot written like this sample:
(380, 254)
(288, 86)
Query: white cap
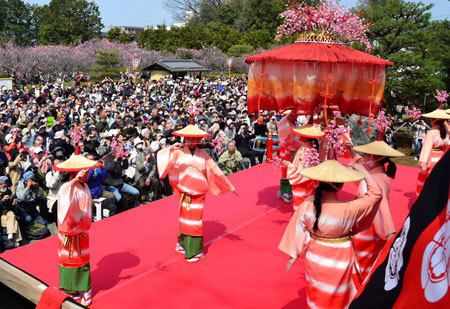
(8, 138)
(37, 150)
(137, 141)
(154, 146)
(59, 134)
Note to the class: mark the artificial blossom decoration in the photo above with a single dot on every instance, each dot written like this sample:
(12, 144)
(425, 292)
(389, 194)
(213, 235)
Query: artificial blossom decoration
(334, 141)
(382, 122)
(415, 113)
(193, 108)
(219, 143)
(310, 157)
(441, 96)
(326, 22)
(277, 162)
(77, 134)
(120, 149)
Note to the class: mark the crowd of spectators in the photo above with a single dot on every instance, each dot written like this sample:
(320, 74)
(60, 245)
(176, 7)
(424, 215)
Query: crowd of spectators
(124, 124)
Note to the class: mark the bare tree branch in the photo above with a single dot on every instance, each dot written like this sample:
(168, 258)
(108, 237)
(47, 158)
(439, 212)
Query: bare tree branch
(178, 8)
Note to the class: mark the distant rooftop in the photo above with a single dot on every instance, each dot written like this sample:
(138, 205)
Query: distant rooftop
(178, 65)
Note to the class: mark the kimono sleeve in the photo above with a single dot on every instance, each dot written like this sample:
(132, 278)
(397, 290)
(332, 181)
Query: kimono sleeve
(165, 160)
(427, 147)
(217, 181)
(363, 210)
(296, 237)
(384, 223)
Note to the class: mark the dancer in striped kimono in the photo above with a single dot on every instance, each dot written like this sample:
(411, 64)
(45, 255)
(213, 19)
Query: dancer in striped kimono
(321, 232)
(192, 173)
(289, 144)
(74, 221)
(434, 146)
(302, 187)
(370, 241)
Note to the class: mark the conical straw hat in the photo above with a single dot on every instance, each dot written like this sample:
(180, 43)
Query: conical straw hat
(76, 163)
(437, 114)
(379, 148)
(332, 171)
(191, 131)
(309, 131)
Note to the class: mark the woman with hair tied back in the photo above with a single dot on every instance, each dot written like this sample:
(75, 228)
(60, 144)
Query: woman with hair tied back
(435, 145)
(371, 241)
(320, 231)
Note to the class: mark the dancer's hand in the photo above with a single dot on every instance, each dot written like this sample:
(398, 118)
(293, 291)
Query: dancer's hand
(80, 175)
(177, 145)
(423, 166)
(290, 263)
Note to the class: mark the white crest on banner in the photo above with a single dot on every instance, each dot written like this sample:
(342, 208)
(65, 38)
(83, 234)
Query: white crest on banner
(436, 263)
(395, 261)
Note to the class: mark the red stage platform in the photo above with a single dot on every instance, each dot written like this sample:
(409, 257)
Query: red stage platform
(134, 264)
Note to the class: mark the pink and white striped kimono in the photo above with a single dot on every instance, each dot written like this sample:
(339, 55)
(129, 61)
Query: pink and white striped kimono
(433, 149)
(328, 252)
(302, 187)
(192, 176)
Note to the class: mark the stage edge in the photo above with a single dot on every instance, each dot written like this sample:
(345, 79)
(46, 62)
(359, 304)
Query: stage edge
(26, 285)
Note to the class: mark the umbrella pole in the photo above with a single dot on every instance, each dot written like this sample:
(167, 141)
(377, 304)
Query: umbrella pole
(327, 95)
(371, 98)
(260, 92)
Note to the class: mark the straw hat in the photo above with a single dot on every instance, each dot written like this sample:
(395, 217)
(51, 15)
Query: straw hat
(309, 130)
(332, 171)
(437, 114)
(379, 148)
(191, 131)
(77, 163)
(447, 111)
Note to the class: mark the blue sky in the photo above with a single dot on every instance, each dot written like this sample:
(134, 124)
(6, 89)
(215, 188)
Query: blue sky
(143, 13)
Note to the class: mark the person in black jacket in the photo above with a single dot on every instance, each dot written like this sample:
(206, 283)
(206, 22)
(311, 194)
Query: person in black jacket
(243, 144)
(114, 183)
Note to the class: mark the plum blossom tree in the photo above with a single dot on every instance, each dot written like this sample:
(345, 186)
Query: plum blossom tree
(328, 21)
(60, 62)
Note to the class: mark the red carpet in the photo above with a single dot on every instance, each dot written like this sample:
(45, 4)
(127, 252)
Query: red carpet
(134, 264)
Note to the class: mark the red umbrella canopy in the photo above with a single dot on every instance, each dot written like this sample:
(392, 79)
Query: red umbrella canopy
(305, 75)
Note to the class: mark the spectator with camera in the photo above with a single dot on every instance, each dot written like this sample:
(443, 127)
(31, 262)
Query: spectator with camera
(11, 235)
(42, 161)
(243, 144)
(13, 144)
(114, 182)
(30, 196)
(54, 180)
(230, 161)
(16, 168)
(146, 179)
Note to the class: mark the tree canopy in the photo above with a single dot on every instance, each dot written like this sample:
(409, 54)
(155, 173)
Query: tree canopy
(69, 22)
(404, 34)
